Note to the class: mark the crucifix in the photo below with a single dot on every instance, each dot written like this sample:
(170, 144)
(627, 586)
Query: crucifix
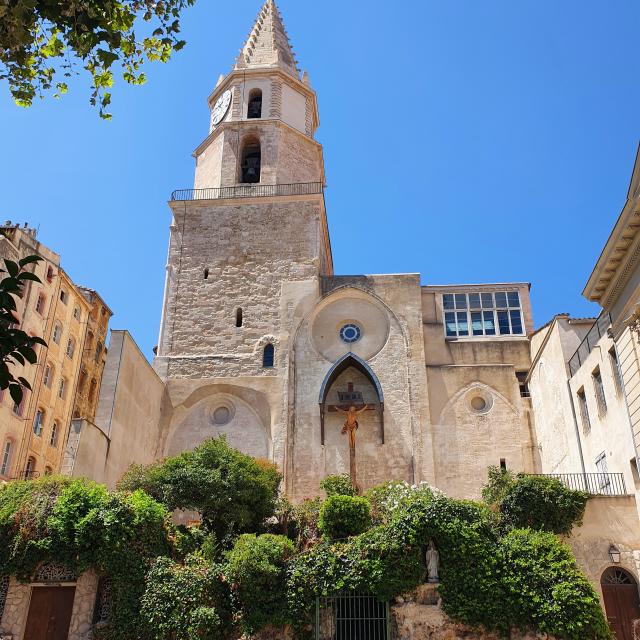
(353, 406)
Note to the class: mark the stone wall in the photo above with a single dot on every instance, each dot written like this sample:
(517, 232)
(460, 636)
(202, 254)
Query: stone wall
(16, 609)
(415, 617)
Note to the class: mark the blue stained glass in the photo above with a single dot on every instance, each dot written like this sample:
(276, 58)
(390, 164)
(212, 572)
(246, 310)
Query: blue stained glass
(461, 301)
(463, 324)
(476, 323)
(450, 324)
(474, 301)
(489, 323)
(514, 299)
(503, 322)
(501, 300)
(516, 321)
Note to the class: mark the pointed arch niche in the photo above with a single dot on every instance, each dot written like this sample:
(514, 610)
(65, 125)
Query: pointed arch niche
(339, 367)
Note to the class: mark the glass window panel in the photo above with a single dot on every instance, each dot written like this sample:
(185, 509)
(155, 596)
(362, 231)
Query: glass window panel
(501, 300)
(474, 301)
(516, 322)
(463, 324)
(447, 300)
(476, 323)
(513, 298)
(503, 322)
(489, 323)
(450, 323)
(487, 301)
(461, 300)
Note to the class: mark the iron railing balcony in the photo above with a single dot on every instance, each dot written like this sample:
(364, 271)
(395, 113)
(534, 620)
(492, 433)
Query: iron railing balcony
(594, 334)
(595, 484)
(249, 191)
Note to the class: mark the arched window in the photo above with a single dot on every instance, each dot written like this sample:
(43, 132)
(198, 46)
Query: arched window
(38, 422)
(48, 471)
(206, 274)
(5, 465)
(48, 376)
(30, 469)
(238, 317)
(254, 109)
(268, 356)
(53, 441)
(251, 161)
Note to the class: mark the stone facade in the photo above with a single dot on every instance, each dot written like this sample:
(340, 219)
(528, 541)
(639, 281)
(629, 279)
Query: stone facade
(33, 435)
(13, 619)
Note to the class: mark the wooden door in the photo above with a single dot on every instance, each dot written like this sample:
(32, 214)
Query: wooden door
(50, 613)
(621, 602)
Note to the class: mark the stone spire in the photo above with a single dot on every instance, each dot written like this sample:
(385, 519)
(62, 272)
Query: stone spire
(268, 44)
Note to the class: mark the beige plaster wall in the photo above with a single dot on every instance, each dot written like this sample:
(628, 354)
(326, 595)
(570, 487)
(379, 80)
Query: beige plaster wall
(86, 451)
(610, 431)
(294, 107)
(466, 441)
(555, 428)
(130, 407)
(607, 520)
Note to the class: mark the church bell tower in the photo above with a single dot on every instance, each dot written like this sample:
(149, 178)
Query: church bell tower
(247, 240)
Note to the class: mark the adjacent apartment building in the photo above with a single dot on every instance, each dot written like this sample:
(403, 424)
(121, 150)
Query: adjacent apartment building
(65, 380)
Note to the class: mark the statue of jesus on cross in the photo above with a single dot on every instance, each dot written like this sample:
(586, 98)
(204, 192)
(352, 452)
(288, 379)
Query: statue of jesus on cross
(350, 427)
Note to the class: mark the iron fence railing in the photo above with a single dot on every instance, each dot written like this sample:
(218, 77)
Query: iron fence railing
(594, 334)
(352, 616)
(595, 484)
(249, 191)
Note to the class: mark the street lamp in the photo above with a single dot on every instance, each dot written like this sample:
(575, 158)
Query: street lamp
(614, 554)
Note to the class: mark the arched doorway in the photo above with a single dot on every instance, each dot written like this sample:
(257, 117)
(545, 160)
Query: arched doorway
(621, 601)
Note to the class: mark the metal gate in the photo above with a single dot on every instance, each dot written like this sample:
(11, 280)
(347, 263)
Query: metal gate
(352, 616)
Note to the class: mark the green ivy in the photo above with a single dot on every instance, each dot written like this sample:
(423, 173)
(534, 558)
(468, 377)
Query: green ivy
(82, 525)
(338, 485)
(538, 502)
(343, 516)
(256, 570)
(185, 601)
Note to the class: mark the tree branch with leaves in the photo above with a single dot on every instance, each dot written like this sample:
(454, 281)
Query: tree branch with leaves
(16, 346)
(45, 42)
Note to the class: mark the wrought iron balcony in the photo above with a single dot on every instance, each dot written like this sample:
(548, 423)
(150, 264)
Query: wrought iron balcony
(595, 484)
(249, 191)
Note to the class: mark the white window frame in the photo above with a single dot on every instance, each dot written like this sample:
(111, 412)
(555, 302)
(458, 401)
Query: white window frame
(71, 348)
(57, 333)
(602, 469)
(47, 378)
(62, 388)
(6, 458)
(488, 306)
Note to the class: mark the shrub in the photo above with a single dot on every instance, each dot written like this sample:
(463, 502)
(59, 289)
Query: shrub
(338, 485)
(499, 480)
(542, 503)
(233, 492)
(344, 516)
(256, 570)
(389, 498)
(185, 601)
(545, 589)
(82, 525)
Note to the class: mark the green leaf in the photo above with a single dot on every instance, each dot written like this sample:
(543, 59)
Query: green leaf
(29, 260)
(12, 268)
(27, 275)
(15, 390)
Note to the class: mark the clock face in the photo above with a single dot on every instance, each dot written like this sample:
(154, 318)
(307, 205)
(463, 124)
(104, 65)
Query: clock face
(220, 108)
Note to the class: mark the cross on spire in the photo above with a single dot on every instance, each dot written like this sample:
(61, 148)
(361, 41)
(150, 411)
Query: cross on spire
(268, 44)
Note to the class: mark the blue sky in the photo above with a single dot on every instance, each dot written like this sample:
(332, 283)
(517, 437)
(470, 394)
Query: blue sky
(470, 141)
